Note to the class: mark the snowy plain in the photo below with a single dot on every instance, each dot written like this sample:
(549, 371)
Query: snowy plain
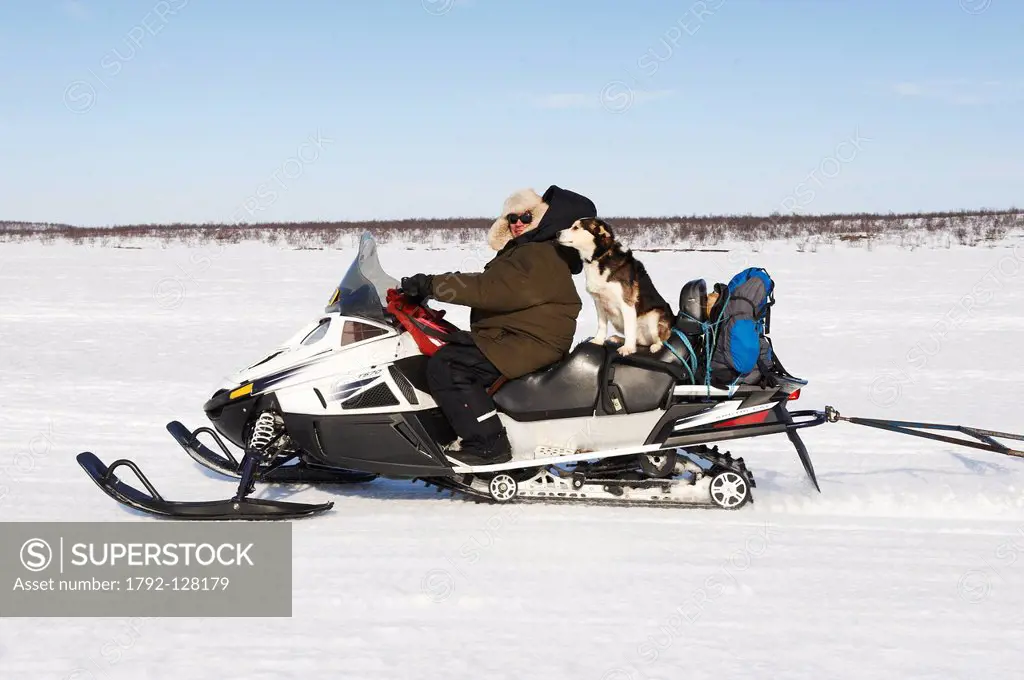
(907, 565)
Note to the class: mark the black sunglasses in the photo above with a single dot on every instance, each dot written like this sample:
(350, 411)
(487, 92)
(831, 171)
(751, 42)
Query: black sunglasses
(525, 218)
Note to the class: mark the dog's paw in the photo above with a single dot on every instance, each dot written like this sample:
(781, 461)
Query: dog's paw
(597, 341)
(656, 347)
(626, 350)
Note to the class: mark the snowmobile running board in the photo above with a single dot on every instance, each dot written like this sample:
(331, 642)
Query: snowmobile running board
(807, 419)
(986, 438)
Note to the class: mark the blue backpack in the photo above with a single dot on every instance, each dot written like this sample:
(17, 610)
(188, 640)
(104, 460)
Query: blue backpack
(741, 325)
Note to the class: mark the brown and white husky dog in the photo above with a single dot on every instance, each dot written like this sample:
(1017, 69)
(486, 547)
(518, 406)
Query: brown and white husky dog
(620, 286)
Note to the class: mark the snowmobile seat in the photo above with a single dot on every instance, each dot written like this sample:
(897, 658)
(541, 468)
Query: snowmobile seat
(564, 389)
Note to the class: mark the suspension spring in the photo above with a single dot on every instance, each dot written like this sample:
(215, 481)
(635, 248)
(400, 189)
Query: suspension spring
(264, 431)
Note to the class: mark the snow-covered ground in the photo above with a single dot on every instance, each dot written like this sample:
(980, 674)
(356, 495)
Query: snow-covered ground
(905, 566)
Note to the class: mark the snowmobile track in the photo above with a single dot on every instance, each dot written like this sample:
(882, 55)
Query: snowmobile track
(719, 462)
(470, 495)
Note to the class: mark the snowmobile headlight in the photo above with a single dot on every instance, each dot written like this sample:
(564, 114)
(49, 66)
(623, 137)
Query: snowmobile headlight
(241, 391)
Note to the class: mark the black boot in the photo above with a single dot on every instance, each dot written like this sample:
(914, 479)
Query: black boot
(490, 451)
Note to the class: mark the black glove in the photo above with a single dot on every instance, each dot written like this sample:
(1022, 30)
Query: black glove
(418, 286)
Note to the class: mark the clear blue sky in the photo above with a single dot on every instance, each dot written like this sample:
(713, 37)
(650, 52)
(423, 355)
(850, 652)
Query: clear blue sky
(188, 110)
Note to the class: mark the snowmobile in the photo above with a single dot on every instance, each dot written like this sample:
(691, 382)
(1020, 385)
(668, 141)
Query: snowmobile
(345, 400)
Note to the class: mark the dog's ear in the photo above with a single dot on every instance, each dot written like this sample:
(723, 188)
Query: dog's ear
(604, 239)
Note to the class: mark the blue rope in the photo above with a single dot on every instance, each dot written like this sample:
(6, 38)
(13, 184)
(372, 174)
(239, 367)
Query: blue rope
(684, 362)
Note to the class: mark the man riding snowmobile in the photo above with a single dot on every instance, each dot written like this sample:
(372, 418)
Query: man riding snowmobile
(524, 309)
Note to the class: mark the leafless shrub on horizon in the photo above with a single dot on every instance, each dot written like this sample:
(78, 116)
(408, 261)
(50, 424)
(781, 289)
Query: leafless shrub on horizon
(966, 227)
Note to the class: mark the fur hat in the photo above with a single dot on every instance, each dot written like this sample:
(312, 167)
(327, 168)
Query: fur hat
(521, 201)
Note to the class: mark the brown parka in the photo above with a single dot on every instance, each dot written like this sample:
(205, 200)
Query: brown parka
(524, 307)
(525, 302)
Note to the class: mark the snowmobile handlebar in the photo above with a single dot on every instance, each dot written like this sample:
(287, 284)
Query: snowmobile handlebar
(427, 326)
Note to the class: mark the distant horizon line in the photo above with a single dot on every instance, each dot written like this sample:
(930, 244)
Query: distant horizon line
(1012, 210)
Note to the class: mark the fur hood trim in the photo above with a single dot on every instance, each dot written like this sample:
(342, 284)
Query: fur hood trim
(524, 199)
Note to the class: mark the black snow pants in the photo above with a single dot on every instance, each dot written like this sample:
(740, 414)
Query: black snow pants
(459, 376)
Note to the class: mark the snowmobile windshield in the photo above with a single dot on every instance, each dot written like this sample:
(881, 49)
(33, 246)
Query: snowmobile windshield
(364, 286)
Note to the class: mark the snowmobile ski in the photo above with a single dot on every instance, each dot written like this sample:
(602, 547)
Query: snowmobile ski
(224, 463)
(153, 503)
(284, 471)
